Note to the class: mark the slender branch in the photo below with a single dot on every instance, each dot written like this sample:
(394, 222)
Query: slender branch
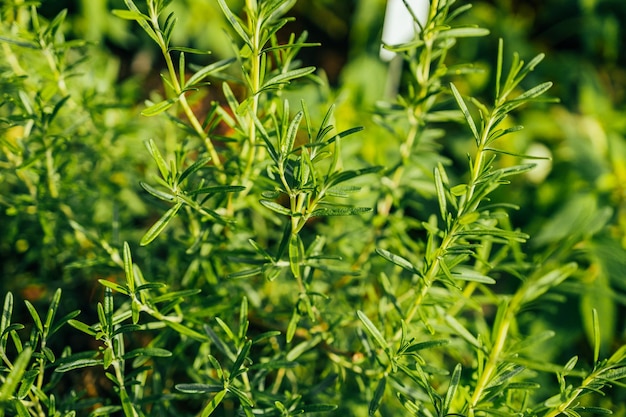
(195, 123)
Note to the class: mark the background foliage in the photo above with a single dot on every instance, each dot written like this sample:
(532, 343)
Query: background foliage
(286, 319)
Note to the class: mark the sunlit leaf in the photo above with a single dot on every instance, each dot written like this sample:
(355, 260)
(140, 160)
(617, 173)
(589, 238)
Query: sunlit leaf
(160, 225)
(154, 109)
(378, 396)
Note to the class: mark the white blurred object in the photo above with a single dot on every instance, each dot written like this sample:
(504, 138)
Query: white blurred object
(543, 166)
(399, 26)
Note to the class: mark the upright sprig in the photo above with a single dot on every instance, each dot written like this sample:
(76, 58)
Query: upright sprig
(38, 101)
(267, 66)
(114, 324)
(460, 251)
(425, 57)
(465, 215)
(161, 32)
(304, 174)
(311, 181)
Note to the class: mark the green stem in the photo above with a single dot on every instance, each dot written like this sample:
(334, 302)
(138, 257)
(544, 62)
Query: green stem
(451, 236)
(51, 172)
(255, 86)
(494, 356)
(195, 123)
(431, 273)
(575, 394)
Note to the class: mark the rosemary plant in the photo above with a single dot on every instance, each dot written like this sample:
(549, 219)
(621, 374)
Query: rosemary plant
(273, 270)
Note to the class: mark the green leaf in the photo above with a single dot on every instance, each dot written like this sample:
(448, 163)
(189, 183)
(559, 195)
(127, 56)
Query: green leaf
(56, 23)
(106, 411)
(128, 268)
(339, 211)
(215, 189)
(275, 207)
(34, 315)
(107, 358)
(200, 163)
(378, 396)
(82, 327)
(234, 22)
(148, 351)
(218, 368)
(246, 273)
(288, 141)
(499, 67)
(114, 286)
(466, 113)
(463, 32)
(302, 347)
(454, 384)
(466, 274)
(22, 411)
(343, 176)
(532, 340)
(5, 320)
(286, 77)
(157, 108)
(198, 388)
(537, 288)
(160, 225)
(594, 411)
(266, 335)
(497, 134)
(243, 398)
(243, 318)
(20, 43)
(127, 404)
(54, 306)
(190, 51)
(293, 325)
(168, 29)
(429, 344)
(372, 330)
(570, 365)
(158, 158)
(462, 331)
(260, 250)
(216, 400)
(236, 108)
(126, 328)
(11, 328)
(129, 15)
(441, 192)
(397, 260)
(204, 72)
(505, 376)
(534, 92)
(78, 364)
(613, 374)
(144, 23)
(186, 331)
(296, 254)
(226, 329)
(13, 379)
(48, 353)
(151, 286)
(596, 335)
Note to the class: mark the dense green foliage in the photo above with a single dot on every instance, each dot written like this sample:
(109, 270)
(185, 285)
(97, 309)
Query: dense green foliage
(243, 233)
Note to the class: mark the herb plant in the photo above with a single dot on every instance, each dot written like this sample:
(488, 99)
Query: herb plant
(281, 271)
